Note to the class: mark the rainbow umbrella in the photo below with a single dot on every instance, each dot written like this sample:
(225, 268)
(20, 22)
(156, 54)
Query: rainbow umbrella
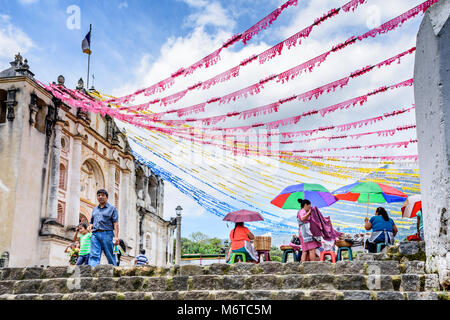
(317, 194)
(370, 192)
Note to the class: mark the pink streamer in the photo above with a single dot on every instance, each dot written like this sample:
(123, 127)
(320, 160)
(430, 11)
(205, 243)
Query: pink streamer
(271, 108)
(224, 76)
(265, 22)
(206, 62)
(352, 5)
(192, 110)
(343, 105)
(271, 53)
(396, 22)
(283, 122)
(358, 124)
(296, 71)
(325, 88)
(173, 98)
(326, 16)
(296, 38)
(407, 83)
(251, 90)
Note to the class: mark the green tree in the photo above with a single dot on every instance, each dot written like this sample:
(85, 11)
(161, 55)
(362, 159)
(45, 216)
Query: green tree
(199, 242)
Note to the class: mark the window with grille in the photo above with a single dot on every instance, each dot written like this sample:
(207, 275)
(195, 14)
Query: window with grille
(62, 177)
(61, 213)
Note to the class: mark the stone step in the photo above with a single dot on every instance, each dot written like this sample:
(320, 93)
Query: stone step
(403, 283)
(292, 294)
(276, 268)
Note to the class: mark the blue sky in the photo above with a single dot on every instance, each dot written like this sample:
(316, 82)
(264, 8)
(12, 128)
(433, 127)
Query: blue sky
(136, 43)
(123, 32)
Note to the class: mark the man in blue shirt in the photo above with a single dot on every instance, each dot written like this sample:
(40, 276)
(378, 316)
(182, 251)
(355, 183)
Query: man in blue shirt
(105, 230)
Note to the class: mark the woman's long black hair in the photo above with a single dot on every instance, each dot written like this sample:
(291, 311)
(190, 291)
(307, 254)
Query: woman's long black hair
(382, 212)
(303, 202)
(236, 225)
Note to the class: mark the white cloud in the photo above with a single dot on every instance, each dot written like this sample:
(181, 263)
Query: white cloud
(25, 2)
(183, 51)
(209, 13)
(12, 39)
(123, 5)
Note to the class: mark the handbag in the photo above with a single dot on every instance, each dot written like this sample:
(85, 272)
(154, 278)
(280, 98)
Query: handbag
(414, 237)
(295, 240)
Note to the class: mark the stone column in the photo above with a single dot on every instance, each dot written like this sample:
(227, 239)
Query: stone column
(124, 204)
(432, 98)
(111, 183)
(147, 198)
(178, 249)
(52, 205)
(73, 209)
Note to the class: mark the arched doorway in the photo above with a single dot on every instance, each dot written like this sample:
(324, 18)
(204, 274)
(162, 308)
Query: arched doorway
(85, 213)
(92, 179)
(83, 219)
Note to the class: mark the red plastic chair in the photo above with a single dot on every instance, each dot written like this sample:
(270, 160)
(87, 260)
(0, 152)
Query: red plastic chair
(328, 253)
(266, 254)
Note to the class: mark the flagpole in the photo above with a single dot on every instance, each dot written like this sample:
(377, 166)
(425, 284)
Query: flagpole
(89, 58)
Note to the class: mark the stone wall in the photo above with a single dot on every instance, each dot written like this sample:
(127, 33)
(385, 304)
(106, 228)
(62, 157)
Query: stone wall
(432, 98)
(345, 280)
(25, 158)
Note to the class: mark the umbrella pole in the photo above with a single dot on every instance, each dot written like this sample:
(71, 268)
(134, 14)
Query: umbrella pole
(368, 201)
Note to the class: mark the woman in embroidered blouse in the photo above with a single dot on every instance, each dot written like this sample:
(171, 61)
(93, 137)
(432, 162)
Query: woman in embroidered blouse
(308, 244)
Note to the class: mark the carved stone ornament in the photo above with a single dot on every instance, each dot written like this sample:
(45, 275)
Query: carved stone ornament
(11, 103)
(61, 80)
(34, 108)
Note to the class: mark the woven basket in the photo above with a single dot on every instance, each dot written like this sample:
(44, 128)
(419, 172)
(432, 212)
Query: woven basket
(262, 243)
(343, 243)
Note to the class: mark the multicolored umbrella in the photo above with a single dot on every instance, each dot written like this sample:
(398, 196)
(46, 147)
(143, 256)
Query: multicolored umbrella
(369, 192)
(411, 206)
(317, 194)
(243, 216)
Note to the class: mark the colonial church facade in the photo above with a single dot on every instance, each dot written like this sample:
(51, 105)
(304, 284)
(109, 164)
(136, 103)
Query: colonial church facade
(53, 159)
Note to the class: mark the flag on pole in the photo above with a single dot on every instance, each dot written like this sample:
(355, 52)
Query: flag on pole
(86, 44)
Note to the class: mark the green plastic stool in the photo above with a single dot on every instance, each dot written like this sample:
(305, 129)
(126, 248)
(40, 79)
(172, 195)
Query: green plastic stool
(349, 250)
(234, 255)
(286, 253)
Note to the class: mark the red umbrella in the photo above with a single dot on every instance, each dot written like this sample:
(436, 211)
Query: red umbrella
(411, 206)
(243, 216)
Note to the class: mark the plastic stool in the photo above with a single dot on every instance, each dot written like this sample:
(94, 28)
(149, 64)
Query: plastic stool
(379, 245)
(286, 253)
(234, 255)
(349, 250)
(328, 253)
(266, 254)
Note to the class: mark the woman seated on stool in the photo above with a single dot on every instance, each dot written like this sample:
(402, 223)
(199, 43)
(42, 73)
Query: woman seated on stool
(383, 229)
(240, 238)
(308, 243)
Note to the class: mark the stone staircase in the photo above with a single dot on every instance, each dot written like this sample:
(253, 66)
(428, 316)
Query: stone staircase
(345, 280)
